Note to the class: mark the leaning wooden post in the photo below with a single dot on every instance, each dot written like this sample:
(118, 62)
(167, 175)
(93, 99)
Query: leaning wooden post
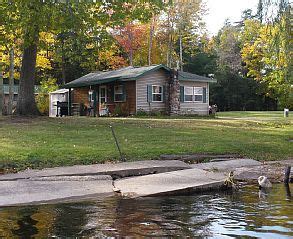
(117, 144)
(287, 174)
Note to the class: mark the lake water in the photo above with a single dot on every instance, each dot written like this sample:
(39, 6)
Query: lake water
(245, 213)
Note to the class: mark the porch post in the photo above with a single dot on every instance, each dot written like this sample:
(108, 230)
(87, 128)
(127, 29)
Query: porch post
(98, 101)
(95, 102)
(69, 102)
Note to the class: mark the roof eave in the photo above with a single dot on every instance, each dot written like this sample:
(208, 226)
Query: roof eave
(198, 80)
(84, 84)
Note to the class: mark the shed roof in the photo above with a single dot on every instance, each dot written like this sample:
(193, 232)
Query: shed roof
(60, 91)
(130, 72)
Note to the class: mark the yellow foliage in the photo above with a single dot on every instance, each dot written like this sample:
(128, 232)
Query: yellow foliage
(42, 61)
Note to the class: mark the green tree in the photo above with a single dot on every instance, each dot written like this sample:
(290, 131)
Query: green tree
(90, 19)
(265, 62)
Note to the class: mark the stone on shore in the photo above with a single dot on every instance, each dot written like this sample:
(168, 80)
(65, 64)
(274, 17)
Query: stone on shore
(248, 170)
(227, 165)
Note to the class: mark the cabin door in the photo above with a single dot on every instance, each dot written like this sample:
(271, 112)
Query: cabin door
(103, 100)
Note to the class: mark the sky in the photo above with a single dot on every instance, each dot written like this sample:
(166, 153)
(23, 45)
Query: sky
(219, 10)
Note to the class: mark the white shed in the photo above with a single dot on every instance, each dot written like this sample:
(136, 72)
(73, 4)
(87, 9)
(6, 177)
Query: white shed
(54, 96)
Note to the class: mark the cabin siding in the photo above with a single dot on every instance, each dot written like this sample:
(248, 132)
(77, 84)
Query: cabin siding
(196, 108)
(80, 95)
(131, 96)
(159, 77)
(128, 107)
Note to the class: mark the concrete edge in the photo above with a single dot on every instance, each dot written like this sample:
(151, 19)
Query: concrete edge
(219, 185)
(71, 199)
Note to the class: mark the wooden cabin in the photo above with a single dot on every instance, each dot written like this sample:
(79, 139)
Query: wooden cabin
(132, 90)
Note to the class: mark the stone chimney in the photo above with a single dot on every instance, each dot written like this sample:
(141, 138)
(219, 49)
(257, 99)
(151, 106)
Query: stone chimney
(174, 93)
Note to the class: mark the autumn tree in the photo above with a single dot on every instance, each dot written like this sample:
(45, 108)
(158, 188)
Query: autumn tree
(182, 24)
(90, 19)
(264, 62)
(276, 16)
(131, 38)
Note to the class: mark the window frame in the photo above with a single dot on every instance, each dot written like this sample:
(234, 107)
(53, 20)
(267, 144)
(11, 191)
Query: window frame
(192, 98)
(162, 93)
(198, 101)
(193, 94)
(115, 93)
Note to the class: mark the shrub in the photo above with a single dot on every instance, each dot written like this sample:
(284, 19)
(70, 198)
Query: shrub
(141, 112)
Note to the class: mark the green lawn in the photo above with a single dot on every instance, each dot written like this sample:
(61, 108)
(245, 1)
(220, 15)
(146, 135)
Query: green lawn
(47, 142)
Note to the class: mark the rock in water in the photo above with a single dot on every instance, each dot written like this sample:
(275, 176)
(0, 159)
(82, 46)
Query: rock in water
(264, 182)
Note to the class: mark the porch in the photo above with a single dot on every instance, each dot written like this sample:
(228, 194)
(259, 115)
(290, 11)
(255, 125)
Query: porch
(113, 98)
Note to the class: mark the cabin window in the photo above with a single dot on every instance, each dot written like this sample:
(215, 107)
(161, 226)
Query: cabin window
(198, 94)
(119, 93)
(157, 93)
(188, 94)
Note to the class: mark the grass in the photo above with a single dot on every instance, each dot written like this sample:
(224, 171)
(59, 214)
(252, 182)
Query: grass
(47, 142)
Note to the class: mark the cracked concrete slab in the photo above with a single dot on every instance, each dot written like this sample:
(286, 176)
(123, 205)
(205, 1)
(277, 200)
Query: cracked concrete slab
(35, 192)
(118, 170)
(176, 182)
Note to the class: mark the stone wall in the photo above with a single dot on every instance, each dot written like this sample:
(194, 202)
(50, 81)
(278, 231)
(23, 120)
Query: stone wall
(174, 94)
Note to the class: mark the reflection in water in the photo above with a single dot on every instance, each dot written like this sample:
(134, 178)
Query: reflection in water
(210, 215)
(26, 225)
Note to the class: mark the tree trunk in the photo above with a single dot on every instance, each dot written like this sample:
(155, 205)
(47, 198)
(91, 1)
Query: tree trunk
(131, 49)
(180, 49)
(1, 91)
(11, 81)
(63, 68)
(169, 50)
(26, 104)
(152, 28)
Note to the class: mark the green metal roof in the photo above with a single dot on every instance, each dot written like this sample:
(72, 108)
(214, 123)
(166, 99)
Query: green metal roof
(101, 77)
(193, 77)
(130, 72)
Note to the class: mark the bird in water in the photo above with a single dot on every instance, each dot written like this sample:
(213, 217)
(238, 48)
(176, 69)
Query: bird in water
(264, 182)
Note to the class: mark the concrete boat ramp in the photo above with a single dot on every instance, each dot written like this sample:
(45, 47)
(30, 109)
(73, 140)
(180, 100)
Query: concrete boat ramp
(130, 179)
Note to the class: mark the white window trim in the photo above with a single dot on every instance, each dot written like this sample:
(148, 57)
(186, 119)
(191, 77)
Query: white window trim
(157, 94)
(198, 101)
(185, 87)
(118, 94)
(193, 95)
